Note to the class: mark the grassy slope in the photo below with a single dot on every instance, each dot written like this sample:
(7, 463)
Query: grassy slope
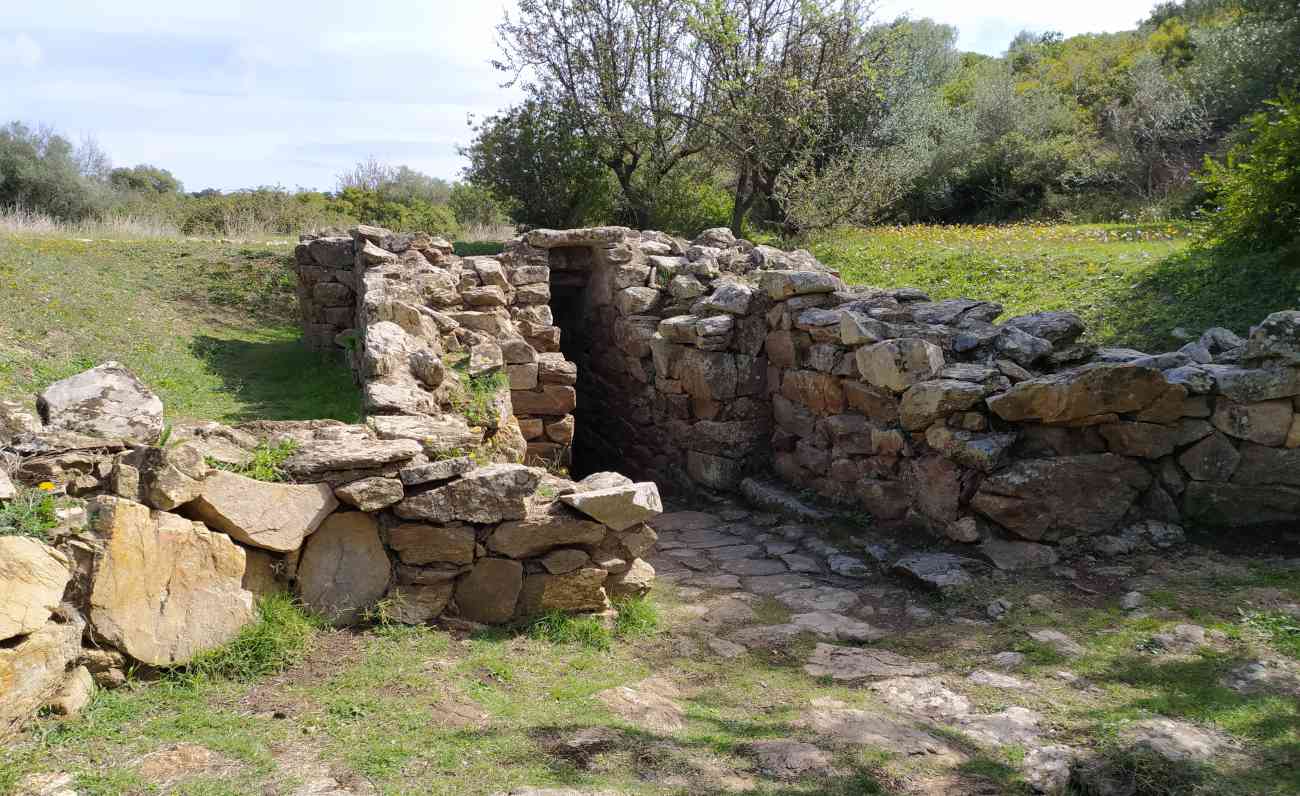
(211, 326)
(1133, 284)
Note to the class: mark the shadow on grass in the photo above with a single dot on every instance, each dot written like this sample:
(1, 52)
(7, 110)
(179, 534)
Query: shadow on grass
(278, 378)
(1197, 288)
(576, 752)
(1190, 689)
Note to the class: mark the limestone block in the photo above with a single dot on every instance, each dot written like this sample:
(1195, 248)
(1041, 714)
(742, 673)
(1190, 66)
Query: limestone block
(275, 517)
(344, 569)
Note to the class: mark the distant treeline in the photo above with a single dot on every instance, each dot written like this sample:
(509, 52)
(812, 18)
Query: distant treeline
(43, 172)
(795, 114)
(784, 116)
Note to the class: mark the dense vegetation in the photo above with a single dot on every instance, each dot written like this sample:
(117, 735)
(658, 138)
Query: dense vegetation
(790, 115)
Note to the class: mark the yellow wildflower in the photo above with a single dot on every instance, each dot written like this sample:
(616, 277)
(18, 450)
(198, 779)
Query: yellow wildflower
(45, 486)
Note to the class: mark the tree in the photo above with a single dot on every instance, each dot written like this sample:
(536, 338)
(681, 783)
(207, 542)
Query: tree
(534, 157)
(39, 171)
(475, 206)
(627, 75)
(1256, 190)
(400, 184)
(144, 178)
(799, 103)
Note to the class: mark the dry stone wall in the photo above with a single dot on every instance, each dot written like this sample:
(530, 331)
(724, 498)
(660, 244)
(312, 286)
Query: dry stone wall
(703, 364)
(424, 512)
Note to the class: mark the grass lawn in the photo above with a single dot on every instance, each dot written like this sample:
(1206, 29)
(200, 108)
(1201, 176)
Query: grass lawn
(210, 326)
(1133, 284)
(422, 710)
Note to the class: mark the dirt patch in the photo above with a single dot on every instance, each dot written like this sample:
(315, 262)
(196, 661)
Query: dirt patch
(332, 652)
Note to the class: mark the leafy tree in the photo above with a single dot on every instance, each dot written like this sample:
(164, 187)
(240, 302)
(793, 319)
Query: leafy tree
(39, 171)
(395, 183)
(144, 178)
(475, 206)
(534, 157)
(628, 77)
(1256, 190)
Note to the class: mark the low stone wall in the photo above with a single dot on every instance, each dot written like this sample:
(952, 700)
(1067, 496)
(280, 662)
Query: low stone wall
(703, 363)
(161, 552)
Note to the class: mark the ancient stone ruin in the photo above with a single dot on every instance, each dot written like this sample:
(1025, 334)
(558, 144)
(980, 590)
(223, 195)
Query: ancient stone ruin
(504, 395)
(717, 364)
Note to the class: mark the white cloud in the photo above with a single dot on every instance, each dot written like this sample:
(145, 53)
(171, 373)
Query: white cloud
(21, 51)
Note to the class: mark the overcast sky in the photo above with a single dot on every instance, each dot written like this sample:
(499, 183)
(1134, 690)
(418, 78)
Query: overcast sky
(239, 93)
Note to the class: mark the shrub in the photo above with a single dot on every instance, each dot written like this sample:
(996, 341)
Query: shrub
(281, 637)
(1256, 190)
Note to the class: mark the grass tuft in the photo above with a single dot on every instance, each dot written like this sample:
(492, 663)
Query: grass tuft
(637, 617)
(266, 464)
(558, 627)
(1280, 630)
(281, 637)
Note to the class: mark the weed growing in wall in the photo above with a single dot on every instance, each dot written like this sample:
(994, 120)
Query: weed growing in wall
(266, 464)
(30, 513)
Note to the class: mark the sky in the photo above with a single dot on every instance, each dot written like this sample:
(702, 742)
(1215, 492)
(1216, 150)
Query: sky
(241, 93)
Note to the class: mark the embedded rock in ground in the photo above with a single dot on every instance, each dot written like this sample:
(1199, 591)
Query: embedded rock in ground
(936, 570)
(1276, 676)
(547, 525)
(923, 696)
(837, 627)
(489, 494)
(818, 599)
(619, 507)
(7, 489)
(996, 680)
(33, 671)
(1175, 741)
(785, 759)
(490, 592)
(344, 569)
(855, 663)
(1014, 556)
(428, 544)
(165, 588)
(869, 728)
(1047, 769)
(274, 517)
(1077, 395)
(582, 589)
(648, 704)
(898, 364)
(1014, 726)
(106, 401)
(371, 494)
(1052, 498)
(32, 579)
(1058, 641)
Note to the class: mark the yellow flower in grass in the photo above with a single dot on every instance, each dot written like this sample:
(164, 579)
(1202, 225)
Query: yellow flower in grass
(46, 486)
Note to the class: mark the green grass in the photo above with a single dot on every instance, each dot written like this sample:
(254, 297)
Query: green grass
(211, 327)
(1132, 284)
(281, 637)
(29, 513)
(265, 465)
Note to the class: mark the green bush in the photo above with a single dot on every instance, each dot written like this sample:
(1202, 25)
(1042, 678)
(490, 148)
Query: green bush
(1256, 190)
(557, 627)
